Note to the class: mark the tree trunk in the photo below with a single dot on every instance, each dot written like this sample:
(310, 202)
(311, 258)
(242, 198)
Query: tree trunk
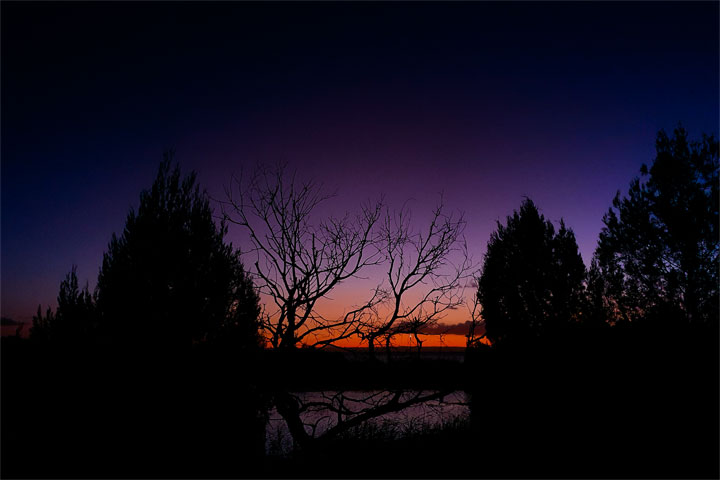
(289, 409)
(388, 348)
(288, 341)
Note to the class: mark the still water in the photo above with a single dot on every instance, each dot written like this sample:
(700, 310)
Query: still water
(322, 408)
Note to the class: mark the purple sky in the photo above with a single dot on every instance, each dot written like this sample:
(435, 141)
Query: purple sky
(485, 102)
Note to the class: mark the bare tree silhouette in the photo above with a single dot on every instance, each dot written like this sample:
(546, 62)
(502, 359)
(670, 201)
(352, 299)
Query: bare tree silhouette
(298, 262)
(425, 273)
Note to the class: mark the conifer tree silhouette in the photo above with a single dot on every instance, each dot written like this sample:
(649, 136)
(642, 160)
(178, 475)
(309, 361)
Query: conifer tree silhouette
(170, 279)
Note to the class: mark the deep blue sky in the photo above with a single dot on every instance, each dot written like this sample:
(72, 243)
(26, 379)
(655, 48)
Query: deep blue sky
(487, 102)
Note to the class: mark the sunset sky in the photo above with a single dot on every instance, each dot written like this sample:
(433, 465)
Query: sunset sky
(484, 102)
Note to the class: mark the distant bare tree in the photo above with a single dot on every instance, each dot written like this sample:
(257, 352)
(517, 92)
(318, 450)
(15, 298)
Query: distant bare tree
(298, 262)
(425, 273)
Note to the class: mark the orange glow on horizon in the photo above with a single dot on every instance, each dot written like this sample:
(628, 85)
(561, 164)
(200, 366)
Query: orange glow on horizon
(450, 330)
(405, 341)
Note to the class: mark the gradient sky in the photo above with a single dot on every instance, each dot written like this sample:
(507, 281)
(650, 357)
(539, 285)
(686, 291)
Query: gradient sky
(485, 102)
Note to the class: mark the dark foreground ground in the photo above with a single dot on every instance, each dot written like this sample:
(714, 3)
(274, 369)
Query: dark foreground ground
(606, 404)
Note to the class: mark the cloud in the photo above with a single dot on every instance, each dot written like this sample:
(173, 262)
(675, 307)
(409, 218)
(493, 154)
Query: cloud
(5, 321)
(453, 329)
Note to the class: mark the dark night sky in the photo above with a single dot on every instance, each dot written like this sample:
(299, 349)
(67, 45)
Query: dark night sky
(486, 102)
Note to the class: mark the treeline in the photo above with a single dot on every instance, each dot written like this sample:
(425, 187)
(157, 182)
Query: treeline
(159, 371)
(170, 279)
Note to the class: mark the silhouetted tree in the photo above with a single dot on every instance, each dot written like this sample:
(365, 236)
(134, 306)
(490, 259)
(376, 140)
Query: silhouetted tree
(658, 251)
(300, 259)
(169, 279)
(425, 273)
(532, 278)
(75, 319)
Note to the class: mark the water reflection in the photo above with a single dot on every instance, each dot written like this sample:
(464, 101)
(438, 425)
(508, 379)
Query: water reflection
(323, 410)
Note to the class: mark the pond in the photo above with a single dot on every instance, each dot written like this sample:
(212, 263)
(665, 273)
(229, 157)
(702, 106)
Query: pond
(322, 410)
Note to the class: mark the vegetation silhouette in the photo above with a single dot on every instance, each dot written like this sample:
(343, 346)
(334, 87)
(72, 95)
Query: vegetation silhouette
(609, 372)
(299, 258)
(531, 283)
(171, 274)
(148, 377)
(75, 319)
(631, 388)
(425, 267)
(659, 248)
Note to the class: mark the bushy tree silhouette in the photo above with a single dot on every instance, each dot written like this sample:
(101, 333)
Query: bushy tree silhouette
(169, 279)
(75, 319)
(532, 278)
(658, 251)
